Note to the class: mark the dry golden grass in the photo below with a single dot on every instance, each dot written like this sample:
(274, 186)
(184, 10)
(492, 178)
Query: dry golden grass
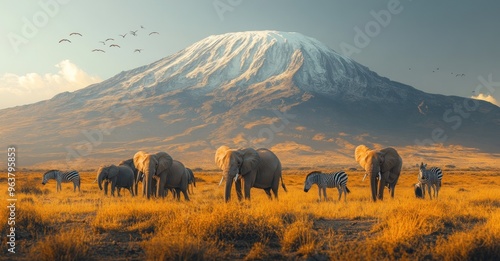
(463, 224)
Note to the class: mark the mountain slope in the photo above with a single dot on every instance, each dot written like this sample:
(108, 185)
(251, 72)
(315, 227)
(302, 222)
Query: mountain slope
(271, 89)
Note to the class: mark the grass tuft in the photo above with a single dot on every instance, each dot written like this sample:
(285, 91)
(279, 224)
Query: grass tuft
(68, 245)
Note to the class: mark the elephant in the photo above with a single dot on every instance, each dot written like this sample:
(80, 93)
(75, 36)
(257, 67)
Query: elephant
(119, 176)
(130, 163)
(191, 184)
(259, 168)
(384, 167)
(153, 165)
(177, 180)
(191, 181)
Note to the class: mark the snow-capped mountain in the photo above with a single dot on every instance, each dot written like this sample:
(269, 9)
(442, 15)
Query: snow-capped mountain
(275, 89)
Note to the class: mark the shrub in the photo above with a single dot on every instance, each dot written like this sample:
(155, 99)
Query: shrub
(299, 236)
(69, 245)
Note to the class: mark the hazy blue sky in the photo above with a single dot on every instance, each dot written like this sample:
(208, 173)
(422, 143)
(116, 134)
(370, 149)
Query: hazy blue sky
(454, 36)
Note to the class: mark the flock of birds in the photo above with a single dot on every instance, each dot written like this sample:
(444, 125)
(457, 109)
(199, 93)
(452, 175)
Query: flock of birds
(456, 75)
(111, 40)
(437, 69)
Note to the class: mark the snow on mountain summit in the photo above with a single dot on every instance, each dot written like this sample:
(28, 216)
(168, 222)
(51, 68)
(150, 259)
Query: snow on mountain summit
(242, 59)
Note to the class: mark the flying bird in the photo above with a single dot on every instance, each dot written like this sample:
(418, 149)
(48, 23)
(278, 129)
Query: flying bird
(109, 39)
(137, 50)
(75, 34)
(64, 40)
(98, 50)
(122, 35)
(153, 33)
(134, 33)
(142, 27)
(102, 42)
(115, 45)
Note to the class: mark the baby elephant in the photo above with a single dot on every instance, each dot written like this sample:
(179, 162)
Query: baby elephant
(119, 176)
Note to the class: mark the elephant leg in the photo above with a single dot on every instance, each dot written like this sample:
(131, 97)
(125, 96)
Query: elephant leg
(382, 184)
(185, 193)
(106, 187)
(392, 191)
(161, 188)
(275, 192)
(247, 189)
(237, 185)
(113, 189)
(268, 192)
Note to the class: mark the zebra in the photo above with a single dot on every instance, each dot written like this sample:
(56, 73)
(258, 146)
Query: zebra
(328, 180)
(59, 176)
(430, 178)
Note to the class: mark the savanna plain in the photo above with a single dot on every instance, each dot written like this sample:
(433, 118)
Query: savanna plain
(462, 224)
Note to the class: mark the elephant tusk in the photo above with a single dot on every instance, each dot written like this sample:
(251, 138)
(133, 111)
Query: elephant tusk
(379, 176)
(236, 177)
(364, 177)
(220, 182)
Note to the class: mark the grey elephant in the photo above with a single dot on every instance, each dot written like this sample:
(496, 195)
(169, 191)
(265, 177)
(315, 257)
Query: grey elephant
(383, 166)
(130, 163)
(153, 166)
(191, 184)
(259, 168)
(191, 181)
(177, 180)
(119, 176)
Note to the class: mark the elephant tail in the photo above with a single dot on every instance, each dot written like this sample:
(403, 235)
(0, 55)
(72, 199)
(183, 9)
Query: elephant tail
(347, 189)
(283, 184)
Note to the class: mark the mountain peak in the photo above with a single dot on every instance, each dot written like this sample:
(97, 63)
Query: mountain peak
(243, 59)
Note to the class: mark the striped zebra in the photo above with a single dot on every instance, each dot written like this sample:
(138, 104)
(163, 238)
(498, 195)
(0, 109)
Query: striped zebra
(430, 178)
(327, 180)
(62, 177)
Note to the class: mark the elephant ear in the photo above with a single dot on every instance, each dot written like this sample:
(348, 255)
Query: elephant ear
(164, 161)
(139, 159)
(390, 159)
(361, 155)
(221, 157)
(112, 171)
(250, 162)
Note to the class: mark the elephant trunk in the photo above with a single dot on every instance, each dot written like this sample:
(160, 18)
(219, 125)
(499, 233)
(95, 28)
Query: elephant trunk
(373, 183)
(229, 184)
(148, 179)
(100, 178)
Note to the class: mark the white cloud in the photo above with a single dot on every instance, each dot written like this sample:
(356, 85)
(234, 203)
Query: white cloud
(33, 87)
(487, 97)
